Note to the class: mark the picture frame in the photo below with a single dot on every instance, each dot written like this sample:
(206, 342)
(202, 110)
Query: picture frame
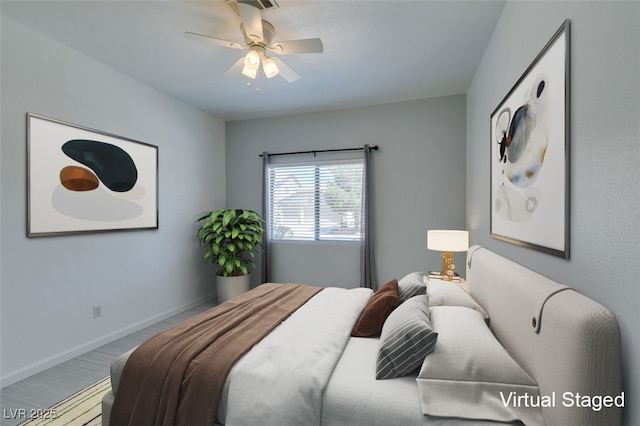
(82, 180)
(529, 188)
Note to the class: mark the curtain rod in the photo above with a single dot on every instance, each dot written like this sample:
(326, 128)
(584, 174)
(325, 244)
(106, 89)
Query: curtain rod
(375, 148)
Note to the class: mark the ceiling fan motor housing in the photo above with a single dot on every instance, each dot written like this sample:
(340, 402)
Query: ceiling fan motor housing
(268, 32)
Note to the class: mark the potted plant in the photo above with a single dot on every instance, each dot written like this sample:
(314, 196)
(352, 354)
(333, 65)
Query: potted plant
(230, 238)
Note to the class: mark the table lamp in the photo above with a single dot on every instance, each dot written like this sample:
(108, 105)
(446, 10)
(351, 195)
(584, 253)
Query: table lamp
(447, 241)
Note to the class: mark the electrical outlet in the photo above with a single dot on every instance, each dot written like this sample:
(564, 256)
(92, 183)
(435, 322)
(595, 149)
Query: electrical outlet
(97, 311)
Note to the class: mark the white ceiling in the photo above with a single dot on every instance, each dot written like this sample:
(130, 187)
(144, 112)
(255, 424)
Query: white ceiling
(374, 51)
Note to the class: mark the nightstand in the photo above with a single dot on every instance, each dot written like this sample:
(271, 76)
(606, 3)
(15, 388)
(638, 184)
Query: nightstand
(461, 282)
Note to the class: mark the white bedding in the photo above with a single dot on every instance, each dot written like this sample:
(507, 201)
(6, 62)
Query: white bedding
(354, 396)
(508, 292)
(310, 371)
(353, 391)
(282, 379)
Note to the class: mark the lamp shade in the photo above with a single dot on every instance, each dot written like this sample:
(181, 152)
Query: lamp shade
(447, 240)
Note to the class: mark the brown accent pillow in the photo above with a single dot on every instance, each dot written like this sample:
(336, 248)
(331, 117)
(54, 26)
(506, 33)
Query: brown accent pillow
(378, 308)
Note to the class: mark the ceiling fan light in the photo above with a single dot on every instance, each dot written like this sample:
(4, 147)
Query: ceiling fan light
(270, 68)
(251, 64)
(250, 72)
(252, 59)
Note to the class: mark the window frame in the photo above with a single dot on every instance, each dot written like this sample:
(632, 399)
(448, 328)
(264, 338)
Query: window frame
(318, 165)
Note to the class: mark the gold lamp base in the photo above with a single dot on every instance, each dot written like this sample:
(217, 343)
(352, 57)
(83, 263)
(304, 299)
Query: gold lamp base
(447, 266)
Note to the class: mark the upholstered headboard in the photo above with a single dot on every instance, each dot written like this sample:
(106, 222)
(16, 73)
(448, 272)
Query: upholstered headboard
(564, 340)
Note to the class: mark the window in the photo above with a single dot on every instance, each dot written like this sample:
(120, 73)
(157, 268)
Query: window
(319, 201)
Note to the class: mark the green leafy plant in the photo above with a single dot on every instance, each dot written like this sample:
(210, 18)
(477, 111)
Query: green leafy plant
(230, 238)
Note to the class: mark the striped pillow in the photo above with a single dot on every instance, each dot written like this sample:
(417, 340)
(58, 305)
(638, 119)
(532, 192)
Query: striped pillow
(407, 338)
(411, 285)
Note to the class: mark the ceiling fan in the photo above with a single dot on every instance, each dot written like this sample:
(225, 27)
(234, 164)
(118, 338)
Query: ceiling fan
(258, 36)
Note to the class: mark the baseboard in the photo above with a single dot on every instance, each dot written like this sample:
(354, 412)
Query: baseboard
(52, 361)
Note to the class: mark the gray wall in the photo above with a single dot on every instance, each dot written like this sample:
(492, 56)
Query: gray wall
(605, 149)
(49, 285)
(419, 182)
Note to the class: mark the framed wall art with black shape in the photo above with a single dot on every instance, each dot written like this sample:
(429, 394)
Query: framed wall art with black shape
(530, 154)
(83, 180)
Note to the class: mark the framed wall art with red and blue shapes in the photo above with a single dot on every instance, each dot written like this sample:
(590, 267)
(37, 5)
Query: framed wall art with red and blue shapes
(530, 154)
(82, 180)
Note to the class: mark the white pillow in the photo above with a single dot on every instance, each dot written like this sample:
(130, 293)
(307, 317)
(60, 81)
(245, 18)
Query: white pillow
(444, 293)
(470, 375)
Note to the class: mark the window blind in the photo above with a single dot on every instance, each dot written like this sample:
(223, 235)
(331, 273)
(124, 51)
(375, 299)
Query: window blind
(316, 201)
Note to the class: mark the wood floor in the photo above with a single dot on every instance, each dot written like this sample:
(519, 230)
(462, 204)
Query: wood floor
(44, 389)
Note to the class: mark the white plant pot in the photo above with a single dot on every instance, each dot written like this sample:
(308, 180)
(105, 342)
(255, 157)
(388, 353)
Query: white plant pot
(230, 287)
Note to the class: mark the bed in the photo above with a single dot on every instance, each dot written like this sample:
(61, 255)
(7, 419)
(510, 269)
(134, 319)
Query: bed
(512, 347)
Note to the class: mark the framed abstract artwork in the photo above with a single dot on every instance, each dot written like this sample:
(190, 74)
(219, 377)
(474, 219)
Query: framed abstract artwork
(82, 180)
(530, 154)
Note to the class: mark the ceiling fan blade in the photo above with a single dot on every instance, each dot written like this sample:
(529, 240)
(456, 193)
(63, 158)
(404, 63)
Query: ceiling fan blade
(286, 71)
(292, 47)
(213, 40)
(236, 68)
(252, 21)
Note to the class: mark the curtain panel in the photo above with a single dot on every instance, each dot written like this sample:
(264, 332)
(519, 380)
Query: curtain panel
(266, 240)
(367, 257)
